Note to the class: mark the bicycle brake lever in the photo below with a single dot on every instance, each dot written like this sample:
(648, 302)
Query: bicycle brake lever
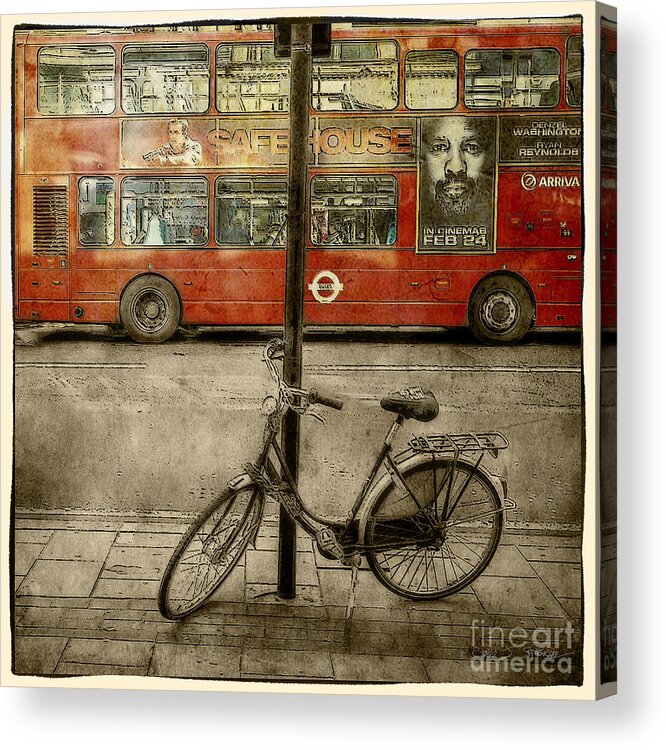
(316, 416)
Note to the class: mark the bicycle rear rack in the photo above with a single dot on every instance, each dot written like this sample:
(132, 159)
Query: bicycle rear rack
(467, 442)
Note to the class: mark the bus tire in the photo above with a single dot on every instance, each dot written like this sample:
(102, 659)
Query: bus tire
(501, 310)
(150, 309)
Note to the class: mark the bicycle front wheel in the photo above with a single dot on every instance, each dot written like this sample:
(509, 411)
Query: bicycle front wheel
(209, 550)
(437, 539)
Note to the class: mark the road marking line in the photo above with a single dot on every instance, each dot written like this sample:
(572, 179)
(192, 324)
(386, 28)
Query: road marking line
(442, 368)
(83, 365)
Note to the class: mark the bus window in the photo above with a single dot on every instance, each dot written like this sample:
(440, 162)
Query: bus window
(165, 78)
(250, 78)
(164, 211)
(97, 201)
(250, 211)
(431, 79)
(358, 76)
(506, 79)
(574, 71)
(76, 80)
(354, 210)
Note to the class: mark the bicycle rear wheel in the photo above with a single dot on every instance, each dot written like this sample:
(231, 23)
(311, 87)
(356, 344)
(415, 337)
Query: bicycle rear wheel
(209, 550)
(421, 547)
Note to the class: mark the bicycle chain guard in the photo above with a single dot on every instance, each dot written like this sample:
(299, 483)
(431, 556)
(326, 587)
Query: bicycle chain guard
(325, 537)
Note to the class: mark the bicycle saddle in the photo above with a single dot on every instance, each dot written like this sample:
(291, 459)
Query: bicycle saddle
(412, 403)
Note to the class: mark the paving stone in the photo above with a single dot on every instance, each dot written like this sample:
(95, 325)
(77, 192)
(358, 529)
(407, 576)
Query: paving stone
(147, 539)
(390, 643)
(461, 671)
(25, 555)
(305, 664)
(381, 614)
(194, 639)
(335, 584)
(54, 578)
(32, 536)
(81, 670)
(232, 588)
(352, 668)
(563, 579)
(267, 540)
(288, 634)
(122, 588)
(266, 594)
(182, 660)
(135, 563)
(508, 561)
(520, 596)
(459, 606)
(571, 606)
(39, 617)
(107, 651)
(207, 616)
(37, 655)
(155, 527)
(547, 553)
(261, 566)
(92, 546)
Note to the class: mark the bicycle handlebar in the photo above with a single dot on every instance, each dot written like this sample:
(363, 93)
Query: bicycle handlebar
(314, 397)
(296, 398)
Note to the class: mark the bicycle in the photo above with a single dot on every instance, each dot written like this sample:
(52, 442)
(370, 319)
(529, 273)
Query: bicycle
(428, 525)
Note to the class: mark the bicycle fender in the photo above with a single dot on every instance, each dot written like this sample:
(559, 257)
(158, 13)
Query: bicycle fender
(410, 462)
(245, 480)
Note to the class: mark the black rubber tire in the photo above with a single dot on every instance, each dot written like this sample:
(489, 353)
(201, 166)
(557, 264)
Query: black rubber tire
(501, 311)
(241, 511)
(397, 530)
(150, 309)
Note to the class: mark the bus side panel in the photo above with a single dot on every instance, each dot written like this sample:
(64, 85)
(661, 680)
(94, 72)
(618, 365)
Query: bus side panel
(539, 207)
(43, 310)
(233, 313)
(75, 145)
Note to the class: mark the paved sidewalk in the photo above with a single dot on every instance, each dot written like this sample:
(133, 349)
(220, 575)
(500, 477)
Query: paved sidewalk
(86, 604)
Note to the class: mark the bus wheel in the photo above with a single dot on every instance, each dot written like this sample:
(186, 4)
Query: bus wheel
(150, 310)
(500, 311)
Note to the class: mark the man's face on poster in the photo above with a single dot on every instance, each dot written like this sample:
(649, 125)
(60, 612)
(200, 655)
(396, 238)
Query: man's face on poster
(455, 150)
(177, 136)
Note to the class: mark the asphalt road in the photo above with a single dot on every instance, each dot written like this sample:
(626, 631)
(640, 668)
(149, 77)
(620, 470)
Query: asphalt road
(105, 424)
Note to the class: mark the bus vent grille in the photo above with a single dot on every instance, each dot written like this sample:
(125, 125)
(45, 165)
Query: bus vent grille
(49, 216)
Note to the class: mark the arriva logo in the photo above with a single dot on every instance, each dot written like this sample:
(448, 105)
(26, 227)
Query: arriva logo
(530, 182)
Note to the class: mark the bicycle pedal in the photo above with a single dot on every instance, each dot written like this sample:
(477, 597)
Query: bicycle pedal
(328, 545)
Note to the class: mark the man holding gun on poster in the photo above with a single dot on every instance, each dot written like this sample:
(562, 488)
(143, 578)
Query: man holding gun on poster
(181, 150)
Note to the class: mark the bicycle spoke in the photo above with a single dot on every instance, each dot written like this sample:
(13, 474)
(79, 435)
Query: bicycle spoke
(214, 547)
(454, 560)
(457, 538)
(446, 575)
(402, 553)
(407, 569)
(428, 558)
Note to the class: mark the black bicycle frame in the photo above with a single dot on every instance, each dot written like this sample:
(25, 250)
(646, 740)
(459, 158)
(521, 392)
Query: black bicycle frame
(289, 496)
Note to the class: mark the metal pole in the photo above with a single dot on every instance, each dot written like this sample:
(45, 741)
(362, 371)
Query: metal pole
(299, 106)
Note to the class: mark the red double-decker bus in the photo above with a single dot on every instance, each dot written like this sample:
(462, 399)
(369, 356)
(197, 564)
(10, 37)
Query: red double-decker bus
(444, 180)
